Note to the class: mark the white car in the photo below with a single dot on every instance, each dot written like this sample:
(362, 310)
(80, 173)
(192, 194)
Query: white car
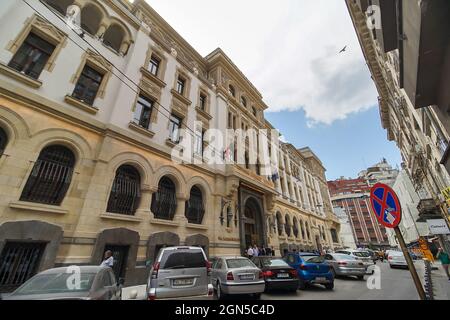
(397, 259)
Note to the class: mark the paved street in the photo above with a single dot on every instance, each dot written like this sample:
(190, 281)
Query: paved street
(396, 284)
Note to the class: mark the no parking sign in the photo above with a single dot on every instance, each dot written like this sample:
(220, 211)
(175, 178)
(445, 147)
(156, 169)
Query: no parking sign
(385, 205)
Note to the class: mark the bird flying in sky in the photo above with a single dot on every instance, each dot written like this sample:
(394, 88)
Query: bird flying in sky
(343, 49)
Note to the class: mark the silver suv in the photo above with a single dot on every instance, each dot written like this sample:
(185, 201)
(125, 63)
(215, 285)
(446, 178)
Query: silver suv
(180, 273)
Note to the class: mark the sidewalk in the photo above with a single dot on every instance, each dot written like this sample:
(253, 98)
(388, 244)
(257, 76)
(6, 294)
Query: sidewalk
(441, 285)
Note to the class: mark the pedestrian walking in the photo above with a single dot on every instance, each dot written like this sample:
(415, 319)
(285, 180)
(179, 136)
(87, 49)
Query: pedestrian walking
(268, 251)
(445, 261)
(250, 252)
(273, 251)
(263, 251)
(108, 260)
(255, 251)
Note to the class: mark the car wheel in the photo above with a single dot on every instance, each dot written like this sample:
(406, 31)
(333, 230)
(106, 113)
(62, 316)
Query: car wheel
(333, 272)
(301, 285)
(220, 294)
(329, 286)
(361, 277)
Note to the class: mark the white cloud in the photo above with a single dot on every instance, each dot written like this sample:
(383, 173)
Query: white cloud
(289, 49)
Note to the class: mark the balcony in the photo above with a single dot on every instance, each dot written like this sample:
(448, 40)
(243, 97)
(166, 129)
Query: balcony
(428, 209)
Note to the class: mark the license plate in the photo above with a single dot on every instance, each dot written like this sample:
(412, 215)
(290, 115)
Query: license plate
(321, 279)
(283, 275)
(247, 277)
(183, 282)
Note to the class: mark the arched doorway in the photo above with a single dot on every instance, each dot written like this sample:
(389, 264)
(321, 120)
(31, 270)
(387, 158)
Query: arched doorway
(253, 224)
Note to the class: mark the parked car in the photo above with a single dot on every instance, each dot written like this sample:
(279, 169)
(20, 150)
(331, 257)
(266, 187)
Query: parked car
(311, 268)
(345, 265)
(362, 256)
(180, 273)
(236, 275)
(278, 275)
(96, 283)
(397, 259)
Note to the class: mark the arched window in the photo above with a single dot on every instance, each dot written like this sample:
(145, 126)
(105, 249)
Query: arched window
(50, 177)
(243, 101)
(279, 224)
(91, 17)
(195, 209)
(60, 5)
(302, 229)
(126, 191)
(3, 141)
(114, 36)
(287, 226)
(295, 227)
(232, 91)
(164, 201)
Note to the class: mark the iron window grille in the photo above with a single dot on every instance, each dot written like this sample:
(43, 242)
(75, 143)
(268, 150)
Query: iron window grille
(287, 228)
(126, 191)
(32, 56)
(18, 263)
(88, 85)
(3, 141)
(164, 201)
(143, 112)
(154, 65)
(195, 209)
(295, 229)
(51, 176)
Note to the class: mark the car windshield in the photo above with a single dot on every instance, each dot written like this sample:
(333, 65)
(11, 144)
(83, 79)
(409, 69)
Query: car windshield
(314, 259)
(239, 263)
(361, 254)
(273, 263)
(341, 256)
(183, 259)
(56, 283)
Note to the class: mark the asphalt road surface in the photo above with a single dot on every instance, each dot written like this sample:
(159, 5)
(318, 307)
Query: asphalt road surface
(395, 284)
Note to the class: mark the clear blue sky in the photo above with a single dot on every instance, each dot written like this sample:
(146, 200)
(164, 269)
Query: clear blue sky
(345, 147)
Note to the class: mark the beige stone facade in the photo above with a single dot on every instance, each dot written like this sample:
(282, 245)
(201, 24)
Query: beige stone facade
(240, 206)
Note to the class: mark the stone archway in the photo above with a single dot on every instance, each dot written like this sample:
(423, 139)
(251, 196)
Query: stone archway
(198, 240)
(124, 245)
(34, 232)
(252, 224)
(284, 248)
(160, 240)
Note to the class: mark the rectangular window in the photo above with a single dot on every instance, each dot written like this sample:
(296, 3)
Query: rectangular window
(143, 112)
(174, 128)
(199, 138)
(87, 86)
(203, 102)
(32, 56)
(180, 85)
(154, 65)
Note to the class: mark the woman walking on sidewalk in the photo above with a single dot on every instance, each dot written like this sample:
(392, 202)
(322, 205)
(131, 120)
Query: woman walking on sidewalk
(445, 261)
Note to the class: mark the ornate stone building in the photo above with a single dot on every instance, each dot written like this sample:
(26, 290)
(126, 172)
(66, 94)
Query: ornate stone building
(95, 96)
(406, 46)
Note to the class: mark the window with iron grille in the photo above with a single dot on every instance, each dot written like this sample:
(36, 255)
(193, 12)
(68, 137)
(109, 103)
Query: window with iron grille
(164, 201)
(194, 207)
(19, 261)
(32, 56)
(180, 85)
(279, 225)
(126, 191)
(3, 141)
(287, 227)
(51, 176)
(88, 85)
(295, 228)
(155, 62)
(143, 112)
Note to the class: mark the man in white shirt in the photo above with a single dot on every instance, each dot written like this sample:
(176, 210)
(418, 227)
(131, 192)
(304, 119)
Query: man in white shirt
(108, 261)
(255, 251)
(250, 252)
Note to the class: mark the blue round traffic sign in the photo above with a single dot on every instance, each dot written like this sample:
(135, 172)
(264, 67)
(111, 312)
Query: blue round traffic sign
(385, 205)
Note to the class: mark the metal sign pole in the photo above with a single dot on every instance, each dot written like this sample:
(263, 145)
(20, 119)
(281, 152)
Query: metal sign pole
(410, 262)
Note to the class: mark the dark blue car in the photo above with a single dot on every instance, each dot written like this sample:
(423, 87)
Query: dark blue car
(311, 269)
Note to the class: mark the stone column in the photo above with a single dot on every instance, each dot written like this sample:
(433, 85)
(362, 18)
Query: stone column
(146, 199)
(124, 47)
(180, 212)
